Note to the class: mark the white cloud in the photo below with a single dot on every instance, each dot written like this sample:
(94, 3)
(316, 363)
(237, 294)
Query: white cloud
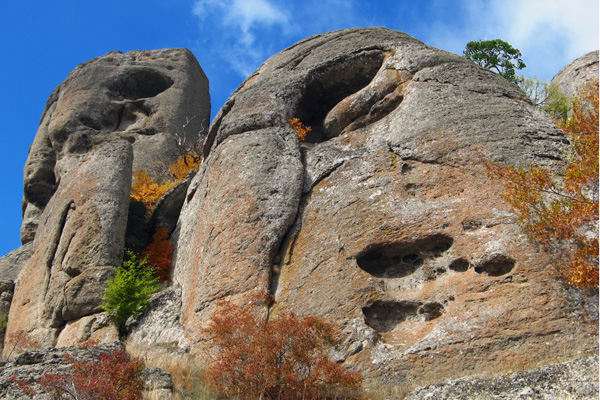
(238, 23)
(549, 33)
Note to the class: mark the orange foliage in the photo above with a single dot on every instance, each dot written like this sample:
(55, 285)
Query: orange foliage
(145, 190)
(300, 128)
(284, 358)
(561, 215)
(160, 254)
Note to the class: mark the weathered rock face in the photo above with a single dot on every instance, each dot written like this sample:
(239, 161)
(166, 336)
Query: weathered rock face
(576, 380)
(384, 221)
(577, 74)
(80, 241)
(154, 98)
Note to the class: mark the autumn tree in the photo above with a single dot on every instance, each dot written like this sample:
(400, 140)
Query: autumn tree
(159, 254)
(560, 213)
(283, 358)
(495, 55)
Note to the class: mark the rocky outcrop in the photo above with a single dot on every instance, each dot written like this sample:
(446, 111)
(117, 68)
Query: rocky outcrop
(155, 99)
(576, 380)
(384, 221)
(80, 242)
(12, 263)
(577, 74)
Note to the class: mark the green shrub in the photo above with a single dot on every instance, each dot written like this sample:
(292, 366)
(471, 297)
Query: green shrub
(128, 293)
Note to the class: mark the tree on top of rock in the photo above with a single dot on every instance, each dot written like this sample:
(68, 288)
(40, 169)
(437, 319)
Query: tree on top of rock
(495, 55)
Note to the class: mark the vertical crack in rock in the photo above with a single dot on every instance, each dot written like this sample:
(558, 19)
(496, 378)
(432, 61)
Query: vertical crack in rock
(54, 240)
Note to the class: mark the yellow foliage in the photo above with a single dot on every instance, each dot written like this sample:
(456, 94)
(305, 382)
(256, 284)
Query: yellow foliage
(147, 191)
(184, 164)
(561, 210)
(300, 128)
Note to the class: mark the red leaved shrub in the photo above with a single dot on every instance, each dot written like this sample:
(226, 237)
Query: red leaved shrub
(160, 254)
(283, 358)
(109, 376)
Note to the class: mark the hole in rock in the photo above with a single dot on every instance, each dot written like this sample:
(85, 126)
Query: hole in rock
(459, 265)
(141, 83)
(332, 84)
(432, 310)
(383, 316)
(397, 260)
(495, 265)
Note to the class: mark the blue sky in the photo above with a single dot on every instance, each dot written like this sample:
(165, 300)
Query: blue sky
(42, 41)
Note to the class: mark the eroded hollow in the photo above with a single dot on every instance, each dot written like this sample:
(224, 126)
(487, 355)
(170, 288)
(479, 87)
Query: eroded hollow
(459, 265)
(400, 259)
(496, 265)
(140, 83)
(331, 85)
(384, 316)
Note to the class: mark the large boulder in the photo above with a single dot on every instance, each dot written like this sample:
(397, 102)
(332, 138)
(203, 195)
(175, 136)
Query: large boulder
(79, 243)
(384, 221)
(158, 99)
(572, 77)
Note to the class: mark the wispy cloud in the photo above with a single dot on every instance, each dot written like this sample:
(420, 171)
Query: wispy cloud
(238, 24)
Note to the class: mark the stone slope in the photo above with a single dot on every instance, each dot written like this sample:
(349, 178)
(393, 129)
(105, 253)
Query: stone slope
(384, 221)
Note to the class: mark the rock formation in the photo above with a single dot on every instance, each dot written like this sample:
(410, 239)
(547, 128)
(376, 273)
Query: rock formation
(383, 220)
(153, 98)
(577, 74)
(113, 115)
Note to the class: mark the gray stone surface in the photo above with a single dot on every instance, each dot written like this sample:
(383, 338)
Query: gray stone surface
(383, 220)
(161, 324)
(152, 98)
(571, 78)
(575, 380)
(82, 237)
(12, 263)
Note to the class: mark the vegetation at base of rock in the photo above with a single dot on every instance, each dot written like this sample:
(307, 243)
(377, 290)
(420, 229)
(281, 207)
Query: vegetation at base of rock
(159, 254)
(560, 213)
(283, 358)
(145, 190)
(128, 293)
(547, 97)
(114, 376)
(496, 55)
(300, 128)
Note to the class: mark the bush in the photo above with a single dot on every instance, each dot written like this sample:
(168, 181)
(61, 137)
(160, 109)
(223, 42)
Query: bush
(300, 129)
(560, 213)
(284, 358)
(128, 293)
(114, 376)
(159, 254)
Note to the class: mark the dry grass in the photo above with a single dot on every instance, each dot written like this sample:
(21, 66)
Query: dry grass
(185, 369)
